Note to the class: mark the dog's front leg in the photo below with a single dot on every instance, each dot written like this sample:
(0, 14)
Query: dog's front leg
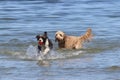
(47, 48)
(46, 51)
(39, 50)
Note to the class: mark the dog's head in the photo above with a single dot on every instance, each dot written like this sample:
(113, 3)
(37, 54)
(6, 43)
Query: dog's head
(41, 38)
(59, 36)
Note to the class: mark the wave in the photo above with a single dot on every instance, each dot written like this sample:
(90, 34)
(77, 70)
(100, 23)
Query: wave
(113, 68)
(24, 51)
(31, 54)
(28, 50)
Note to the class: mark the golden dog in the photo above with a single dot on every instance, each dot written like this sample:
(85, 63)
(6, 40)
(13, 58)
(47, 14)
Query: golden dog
(72, 42)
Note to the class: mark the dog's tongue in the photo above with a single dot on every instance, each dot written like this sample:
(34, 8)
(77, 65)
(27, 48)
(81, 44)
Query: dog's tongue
(40, 43)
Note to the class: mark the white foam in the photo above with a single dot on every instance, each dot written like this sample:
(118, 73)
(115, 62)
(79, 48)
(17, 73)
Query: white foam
(32, 54)
(31, 51)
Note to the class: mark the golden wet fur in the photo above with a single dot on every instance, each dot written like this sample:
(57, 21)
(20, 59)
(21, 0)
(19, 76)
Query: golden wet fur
(72, 42)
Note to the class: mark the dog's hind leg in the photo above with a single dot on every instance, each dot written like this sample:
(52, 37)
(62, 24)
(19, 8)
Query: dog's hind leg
(78, 46)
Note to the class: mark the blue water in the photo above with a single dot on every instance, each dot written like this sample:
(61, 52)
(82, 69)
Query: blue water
(21, 21)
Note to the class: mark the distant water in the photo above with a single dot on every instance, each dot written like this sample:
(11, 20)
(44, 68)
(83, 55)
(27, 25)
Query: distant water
(22, 20)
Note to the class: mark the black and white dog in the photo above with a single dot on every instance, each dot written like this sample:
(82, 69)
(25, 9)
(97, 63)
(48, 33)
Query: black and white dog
(44, 44)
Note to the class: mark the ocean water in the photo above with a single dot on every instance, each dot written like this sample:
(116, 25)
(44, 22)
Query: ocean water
(22, 20)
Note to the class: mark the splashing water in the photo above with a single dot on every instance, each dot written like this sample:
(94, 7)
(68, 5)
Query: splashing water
(32, 53)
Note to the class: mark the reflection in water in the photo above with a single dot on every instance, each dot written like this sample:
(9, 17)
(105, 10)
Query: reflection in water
(114, 68)
(44, 63)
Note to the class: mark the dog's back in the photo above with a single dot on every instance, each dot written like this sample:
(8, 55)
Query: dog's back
(76, 42)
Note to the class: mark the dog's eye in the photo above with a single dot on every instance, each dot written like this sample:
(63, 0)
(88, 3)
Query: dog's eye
(61, 35)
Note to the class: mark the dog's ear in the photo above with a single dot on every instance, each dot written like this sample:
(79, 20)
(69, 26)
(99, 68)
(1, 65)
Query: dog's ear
(45, 34)
(37, 37)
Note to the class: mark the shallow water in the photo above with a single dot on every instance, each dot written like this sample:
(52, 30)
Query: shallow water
(21, 21)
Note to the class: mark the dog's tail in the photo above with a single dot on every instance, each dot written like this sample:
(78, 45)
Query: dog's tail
(87, 36)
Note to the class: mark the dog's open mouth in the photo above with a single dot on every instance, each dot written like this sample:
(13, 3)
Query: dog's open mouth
(40, 43)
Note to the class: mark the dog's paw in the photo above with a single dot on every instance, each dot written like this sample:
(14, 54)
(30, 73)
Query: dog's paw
(40, 58)
(45, 53)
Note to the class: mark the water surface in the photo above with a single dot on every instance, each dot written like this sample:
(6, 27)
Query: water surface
(21, 21)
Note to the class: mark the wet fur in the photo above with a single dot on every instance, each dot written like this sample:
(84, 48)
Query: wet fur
(47, 46)
(73, 42)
